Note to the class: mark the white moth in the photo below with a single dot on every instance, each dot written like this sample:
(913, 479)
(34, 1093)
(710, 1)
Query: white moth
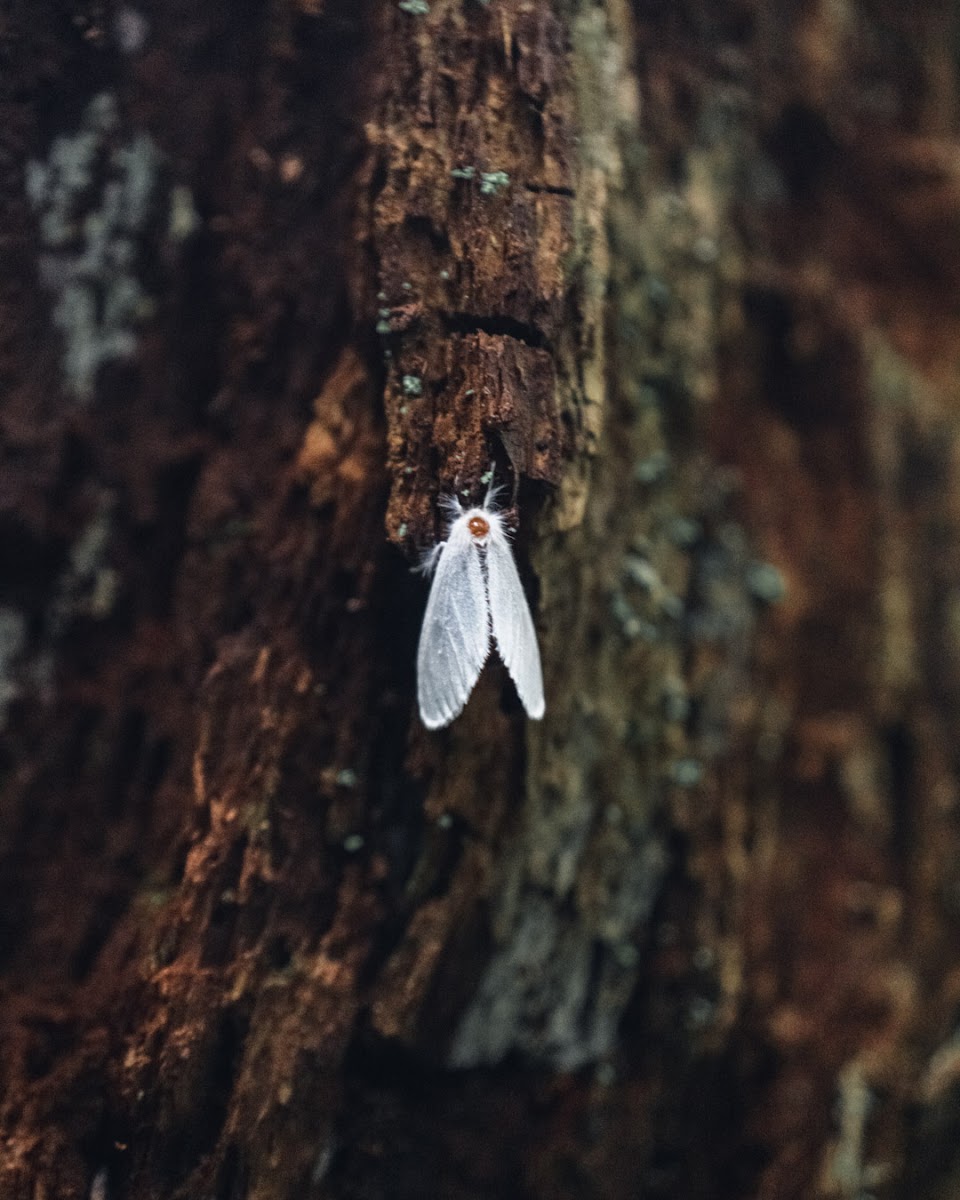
(476, 594)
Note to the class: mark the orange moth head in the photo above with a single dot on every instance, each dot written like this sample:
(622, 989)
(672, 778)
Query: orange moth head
(478, 526)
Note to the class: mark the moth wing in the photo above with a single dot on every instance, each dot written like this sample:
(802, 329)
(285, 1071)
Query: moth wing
(512, 624)
(455, 638)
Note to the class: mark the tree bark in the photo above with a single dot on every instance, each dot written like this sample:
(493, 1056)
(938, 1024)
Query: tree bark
(682, 279)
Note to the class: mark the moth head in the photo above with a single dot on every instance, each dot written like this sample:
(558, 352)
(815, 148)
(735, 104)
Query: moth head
(479, 527)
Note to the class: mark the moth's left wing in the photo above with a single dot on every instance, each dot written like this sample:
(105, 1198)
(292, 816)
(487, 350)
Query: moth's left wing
(455, 637)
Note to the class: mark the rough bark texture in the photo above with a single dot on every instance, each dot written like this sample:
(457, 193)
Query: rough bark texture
(683, 278)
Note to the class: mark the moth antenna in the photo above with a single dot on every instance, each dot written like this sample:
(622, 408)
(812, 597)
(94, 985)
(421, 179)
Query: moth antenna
(494, 492)
(492, 488)
(451, 505)
(428, 560)
(452, 509)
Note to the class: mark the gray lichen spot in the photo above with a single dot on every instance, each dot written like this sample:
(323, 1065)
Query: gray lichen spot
(647, 396)
(627, 955)
(130, 28)
(94, 199)
(463, 172)
(417, 8)
(557, 985)
(658, 291)
(88, 585)
(706, 250)
(13, 640)
(605, 1074)
(98, 1188)
(700, 1013)
(322, 1164)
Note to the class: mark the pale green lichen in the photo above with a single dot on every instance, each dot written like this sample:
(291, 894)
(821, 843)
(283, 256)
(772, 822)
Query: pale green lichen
(183, 221)
(765, 583)
(684, 531)
(676, 701)
(653, 469)
(493, 182)
(641, 571)
(416, 8)
(412, 385)
(686, 772)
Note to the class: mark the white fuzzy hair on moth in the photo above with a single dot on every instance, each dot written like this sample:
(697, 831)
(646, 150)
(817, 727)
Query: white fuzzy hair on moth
(476, 597)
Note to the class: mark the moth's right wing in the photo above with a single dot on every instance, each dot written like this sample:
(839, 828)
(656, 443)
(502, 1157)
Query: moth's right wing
(455, 638)
(512, 624)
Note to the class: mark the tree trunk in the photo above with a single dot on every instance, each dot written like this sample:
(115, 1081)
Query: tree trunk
(683, 280)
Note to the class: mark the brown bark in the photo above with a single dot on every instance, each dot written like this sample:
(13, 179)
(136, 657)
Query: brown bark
(274, 279)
